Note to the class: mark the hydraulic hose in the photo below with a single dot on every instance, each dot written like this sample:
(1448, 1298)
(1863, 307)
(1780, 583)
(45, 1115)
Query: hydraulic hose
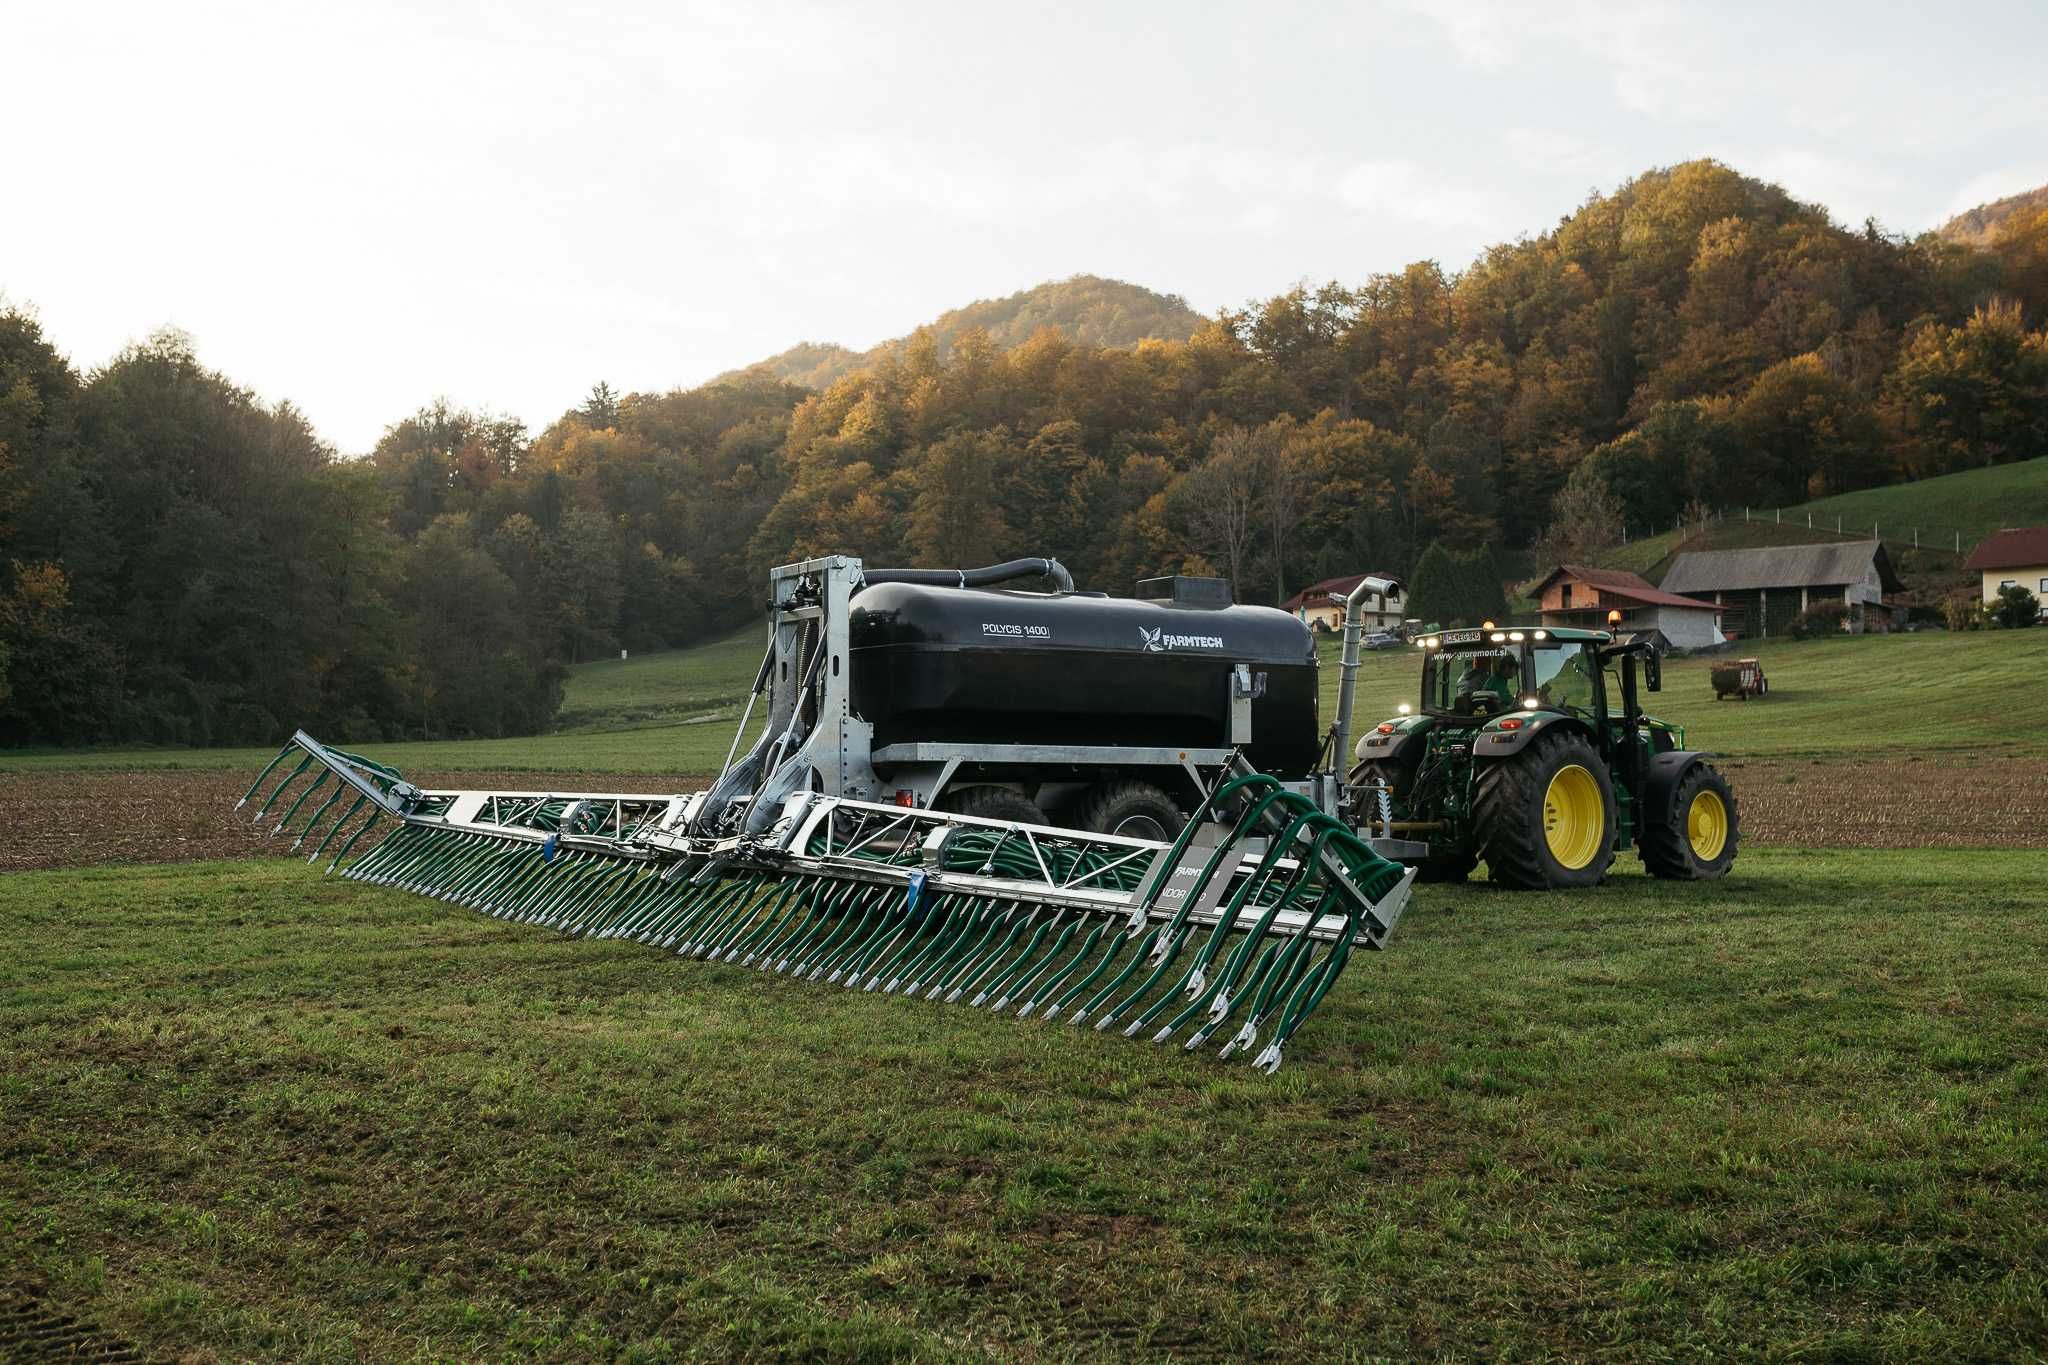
(977, 578)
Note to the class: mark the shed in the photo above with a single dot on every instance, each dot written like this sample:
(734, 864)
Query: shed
(1577, 595)
(1763, 589)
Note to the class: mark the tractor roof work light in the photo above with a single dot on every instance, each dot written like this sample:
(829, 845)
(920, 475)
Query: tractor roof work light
(1497, 638)
(1404, 708)
(1529, 703)
(1515, 635)
(1541, 635)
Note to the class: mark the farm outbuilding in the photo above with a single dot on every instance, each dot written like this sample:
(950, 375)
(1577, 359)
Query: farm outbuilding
(1321, 604)
(1575, 595)
(1763, 589)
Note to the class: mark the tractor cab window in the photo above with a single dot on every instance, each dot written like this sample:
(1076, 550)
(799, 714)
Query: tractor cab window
(1568, 676)
(1480, 682)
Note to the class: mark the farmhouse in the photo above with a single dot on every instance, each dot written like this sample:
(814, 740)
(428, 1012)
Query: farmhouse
(1764, 589)
(1574, 595)
(2012, 556)
(1313, 605)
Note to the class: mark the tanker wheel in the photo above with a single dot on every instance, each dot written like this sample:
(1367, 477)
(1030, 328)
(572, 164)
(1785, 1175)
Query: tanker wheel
(1135, 810)
(1437, 867)
(1545, 817)
(1697, 842)
(995, 803)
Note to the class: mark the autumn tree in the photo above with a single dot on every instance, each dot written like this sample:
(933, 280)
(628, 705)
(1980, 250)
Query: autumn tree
(1585, 520)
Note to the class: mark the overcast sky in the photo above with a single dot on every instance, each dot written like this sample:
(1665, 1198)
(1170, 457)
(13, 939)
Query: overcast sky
(362, 206)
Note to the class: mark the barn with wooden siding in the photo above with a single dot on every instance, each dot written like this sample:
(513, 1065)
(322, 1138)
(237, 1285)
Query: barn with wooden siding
(1763, 589)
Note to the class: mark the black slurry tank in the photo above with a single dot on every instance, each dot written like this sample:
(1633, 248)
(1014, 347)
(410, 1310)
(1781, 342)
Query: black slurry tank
(999, 666)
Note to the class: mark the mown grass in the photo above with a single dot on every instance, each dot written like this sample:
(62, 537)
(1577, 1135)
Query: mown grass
(666, 688)
(1799, 1113)
(1974, 502)
(1932, 692)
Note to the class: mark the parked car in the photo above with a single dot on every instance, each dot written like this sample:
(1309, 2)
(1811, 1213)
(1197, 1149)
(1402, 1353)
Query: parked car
(1382, 639)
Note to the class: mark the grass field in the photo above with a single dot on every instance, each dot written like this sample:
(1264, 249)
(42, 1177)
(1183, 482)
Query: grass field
(1974, 502)
(1804, 1112)
(1936, 691)
(1799, 1114)
(675, 686)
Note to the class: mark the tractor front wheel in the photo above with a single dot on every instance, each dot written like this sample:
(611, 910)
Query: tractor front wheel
(1545, 818)
(1696, 842)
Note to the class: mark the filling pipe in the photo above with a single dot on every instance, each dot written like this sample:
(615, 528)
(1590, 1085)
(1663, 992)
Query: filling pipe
(1347, 685)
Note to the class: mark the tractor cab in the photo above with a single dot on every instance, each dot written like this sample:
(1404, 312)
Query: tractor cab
(1470, 677)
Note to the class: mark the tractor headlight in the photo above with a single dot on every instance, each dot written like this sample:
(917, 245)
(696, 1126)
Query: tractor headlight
(1404, 708)
(1529, 703)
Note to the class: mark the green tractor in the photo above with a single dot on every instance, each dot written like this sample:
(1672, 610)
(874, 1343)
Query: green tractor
(1530, 753)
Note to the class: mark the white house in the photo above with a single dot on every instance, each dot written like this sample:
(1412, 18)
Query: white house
(1315, 605)
(2015, 556)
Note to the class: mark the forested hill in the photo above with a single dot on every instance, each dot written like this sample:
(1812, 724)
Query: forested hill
(183, 563)
(1084, 308)
(1982, 225)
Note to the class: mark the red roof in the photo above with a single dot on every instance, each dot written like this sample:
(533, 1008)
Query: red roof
(2025, 548)
(1622, 584)
(1319, 594)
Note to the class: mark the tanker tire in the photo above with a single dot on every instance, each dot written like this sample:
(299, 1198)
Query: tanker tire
(1437, 867)
(1507, 815)
(1150, 812)
(995, 803)
(1667, 850)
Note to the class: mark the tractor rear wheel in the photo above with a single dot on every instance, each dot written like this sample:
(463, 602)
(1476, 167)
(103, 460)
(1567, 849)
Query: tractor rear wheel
(1545, 818)
(1697, 841)
(1136, 810)
(995, 803)
(1437, 867)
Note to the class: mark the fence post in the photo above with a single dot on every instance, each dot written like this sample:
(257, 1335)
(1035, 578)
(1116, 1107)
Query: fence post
(1959, 542)
(1838, 523)
(1780, 515)
(1745, 514)
(1916, 537)
(1809, 521)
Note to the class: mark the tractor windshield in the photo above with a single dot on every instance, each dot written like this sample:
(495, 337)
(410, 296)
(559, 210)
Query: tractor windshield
(1475, 682)
(1567, 676)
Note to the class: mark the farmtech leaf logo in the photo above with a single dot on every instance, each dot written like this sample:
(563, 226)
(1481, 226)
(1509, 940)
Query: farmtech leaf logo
(1158, 642)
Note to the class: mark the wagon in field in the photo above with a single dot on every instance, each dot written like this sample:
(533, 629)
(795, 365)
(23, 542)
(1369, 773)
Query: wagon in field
(1742, 679)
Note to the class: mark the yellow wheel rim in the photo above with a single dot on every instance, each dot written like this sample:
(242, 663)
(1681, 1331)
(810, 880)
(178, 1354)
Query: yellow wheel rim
(1574, 817)
(1706, 825)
